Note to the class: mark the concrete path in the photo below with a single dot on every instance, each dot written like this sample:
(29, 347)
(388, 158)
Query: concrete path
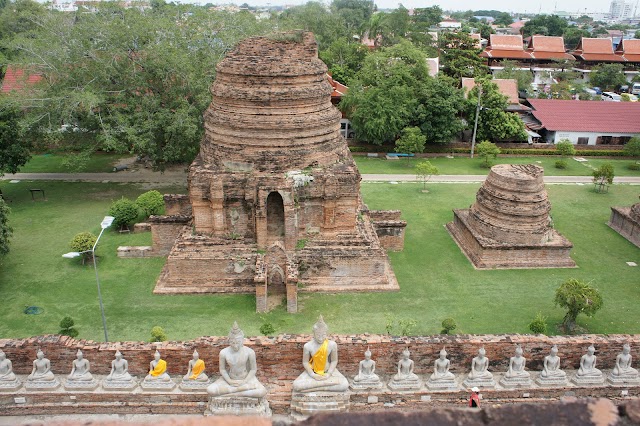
(180, 178)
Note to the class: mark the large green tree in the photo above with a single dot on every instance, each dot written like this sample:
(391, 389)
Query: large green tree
(130, 80)
(344, 58)
(459, 56)
(5, 230)
(317, 18)
(354, 13)
(511, 70)
(572, 36)
(577, 297)
(14, 149)
(550, 25)
(608, 76)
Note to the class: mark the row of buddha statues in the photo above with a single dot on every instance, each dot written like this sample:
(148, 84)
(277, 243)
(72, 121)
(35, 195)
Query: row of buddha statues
(238, 390)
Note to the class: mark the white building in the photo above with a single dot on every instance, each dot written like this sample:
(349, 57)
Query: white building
(620, 9)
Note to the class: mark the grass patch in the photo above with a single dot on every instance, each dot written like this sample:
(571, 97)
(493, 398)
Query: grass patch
(55, 163)
(469, 166)
(436, 279)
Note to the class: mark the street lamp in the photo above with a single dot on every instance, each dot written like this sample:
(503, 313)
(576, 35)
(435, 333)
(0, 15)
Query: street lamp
(106, 222)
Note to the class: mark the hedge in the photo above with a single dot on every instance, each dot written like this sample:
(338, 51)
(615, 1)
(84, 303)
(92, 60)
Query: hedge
(509, 151)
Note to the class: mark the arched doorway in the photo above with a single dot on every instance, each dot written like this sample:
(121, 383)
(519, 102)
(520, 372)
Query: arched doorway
(275, 217)
(276, 287)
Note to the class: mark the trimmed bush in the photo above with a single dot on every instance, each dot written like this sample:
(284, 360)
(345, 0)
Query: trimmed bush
(66, 327)
(561, 164)
(267, 329)
(634, 166)
(83, 242)
(124, 212)
(150, 203)
(539, 324)
(448, 325)
(158, 334)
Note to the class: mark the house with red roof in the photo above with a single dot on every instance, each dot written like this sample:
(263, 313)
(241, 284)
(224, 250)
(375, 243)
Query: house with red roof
(506, 86)
(629, 50)
(16, 79)
(585, 122)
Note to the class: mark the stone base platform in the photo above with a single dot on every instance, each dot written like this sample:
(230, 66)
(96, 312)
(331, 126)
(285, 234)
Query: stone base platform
(588, 381)
(36, 385)
(304, 405)
(407, 386)
(119, 385)
(479, 383)
(10, 386)
(489, 254)
(71, 385)
(623, 381)
(443, 386)
(624, 223)
(552, 382)
(237, 406)
(154, 386)
(194, 386)
(366, 385)
(516, 382)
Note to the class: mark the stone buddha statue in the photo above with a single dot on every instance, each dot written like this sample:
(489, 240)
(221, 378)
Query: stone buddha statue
(80, 377)
(158, 378)
(41, 376)
(8, 380)
(441, 376)
(195, 373)
(119, 377)
(319, 360)
(238, 387)
(588, 373)
(622, 372)
(480, 374)
(405, 378)
(366, 378)
(551, 373)
(516, 375)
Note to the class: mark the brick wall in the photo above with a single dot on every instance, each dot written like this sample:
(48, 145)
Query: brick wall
(164, 231)
(623, 223)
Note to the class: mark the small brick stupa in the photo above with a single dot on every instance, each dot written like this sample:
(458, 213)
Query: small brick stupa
(274, 195)
(626, 222)
(509, 225)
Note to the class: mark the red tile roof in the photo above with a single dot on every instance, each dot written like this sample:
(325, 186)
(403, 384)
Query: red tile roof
(16, 79)
(546, 47)
(587, 116)
(339, 89)
(506, 54)
(630, 49)
(596, 49)
(505, 46)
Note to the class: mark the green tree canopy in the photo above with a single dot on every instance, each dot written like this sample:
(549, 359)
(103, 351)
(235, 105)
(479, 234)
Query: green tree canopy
(504, 19)
(354, 13)
(487, 151)
(608, 76)
(424, 171)
(572, 36)
(411, 141)
(459, 56)
(578, 298)
(317, 18)
(512, 70)
(14, 149)
(5, 230)
(632, 148)
(550, 25)
(344, 58)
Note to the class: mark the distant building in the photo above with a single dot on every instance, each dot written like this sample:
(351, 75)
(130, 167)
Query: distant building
(18, 79)
(620, 9)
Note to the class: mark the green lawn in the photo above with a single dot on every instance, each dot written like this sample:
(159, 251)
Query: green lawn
(469, 166)
(436, 280)
(55, 163)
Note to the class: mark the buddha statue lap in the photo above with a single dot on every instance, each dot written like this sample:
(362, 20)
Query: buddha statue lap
(366, 377)
(480, 376)
(623, 373)
(405, 378)
(442, 378)
(516, 375)
(551, 374)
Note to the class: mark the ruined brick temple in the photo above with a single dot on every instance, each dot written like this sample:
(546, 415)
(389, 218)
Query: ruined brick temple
(509, 225)
(274, 201)
(626, 222)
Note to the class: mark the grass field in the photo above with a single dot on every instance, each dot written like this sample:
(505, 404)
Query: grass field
(436, 279)
(469, 166)
(55, 163)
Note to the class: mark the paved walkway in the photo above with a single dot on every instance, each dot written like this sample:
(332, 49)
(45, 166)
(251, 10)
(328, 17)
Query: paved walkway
(180, 178)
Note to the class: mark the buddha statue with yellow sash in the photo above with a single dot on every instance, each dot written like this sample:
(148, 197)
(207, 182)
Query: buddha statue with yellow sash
(157, 370)
(320, 359)
(196, 370)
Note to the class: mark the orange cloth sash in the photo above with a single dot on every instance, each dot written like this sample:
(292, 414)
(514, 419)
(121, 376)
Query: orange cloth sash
(198, 368)
(318, 361)
(160, 369)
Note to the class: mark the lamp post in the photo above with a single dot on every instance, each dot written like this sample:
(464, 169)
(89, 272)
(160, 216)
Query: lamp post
(106, 222)
(475, 126)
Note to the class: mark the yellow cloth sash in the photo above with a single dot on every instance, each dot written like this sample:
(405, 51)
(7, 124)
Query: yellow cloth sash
(318, 360)
(198, 368)
(161, 367)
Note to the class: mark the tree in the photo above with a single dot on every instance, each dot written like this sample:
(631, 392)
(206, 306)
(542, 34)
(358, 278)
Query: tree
(510, 70)
(317, 18)
(66, 327)
(426, 17)
(487, 151)
(565, 149)
(448, 325)
(150, 203)
(603, 177)
(550, 25)
(459, 56)
(503, 19)
(578, 298)
(124, 212)
(411, 141)
(14, 149)
(424, 171)
(494, 123)
(344, 59)
(637, 34)
(158, 334)
(83, 243)
(608, 76)
(5, 230)
(632, 148)
(354, 13)
(485, 30)
(572, 36)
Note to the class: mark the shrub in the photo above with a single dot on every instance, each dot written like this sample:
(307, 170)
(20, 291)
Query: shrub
(267, 329)
(407, 326)
(539, 324)
(634, 166)
(150, 203)
(632, 148)
(124, 212)
(578, 298)
(158, 334)
(565, 148)
(561, 164)
(448, 325)
(603, 176)
(83, 242)
(487, 151)
(66, 327)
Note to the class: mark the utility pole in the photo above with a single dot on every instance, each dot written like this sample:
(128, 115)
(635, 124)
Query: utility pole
(475, 126)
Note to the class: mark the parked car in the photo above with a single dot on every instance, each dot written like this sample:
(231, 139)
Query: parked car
(590, 92)
(627, 97)
(635, 89)
(610, 96)
(597, 90)
(623, 89)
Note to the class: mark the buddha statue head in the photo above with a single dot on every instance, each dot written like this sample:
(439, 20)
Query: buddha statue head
(554, 350)
(320, 330)
(367, 354)
(79, 354)
(481, 352)
(519, 351)
(40, 354)
(156, 356)
(626, 349)
(118, 355)
(591, 349)
(196, 355)
(443, 353)
(405, 353)
(236, 337)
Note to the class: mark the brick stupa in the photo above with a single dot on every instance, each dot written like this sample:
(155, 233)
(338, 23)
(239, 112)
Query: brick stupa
(509, 225)
(626, 222)
(274, 195)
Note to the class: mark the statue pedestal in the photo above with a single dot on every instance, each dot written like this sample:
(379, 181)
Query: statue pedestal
(479, 383)
(405, 385)
(442, 385)
(42, 385)
(10, 385)
(623, 381)
(237, 406)
(516, 382)
(80, 385)
(119, 385)
(152, 385)
(588, 380)
(364, 385)
(194, 386)
(550, 382)
(304, 405)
